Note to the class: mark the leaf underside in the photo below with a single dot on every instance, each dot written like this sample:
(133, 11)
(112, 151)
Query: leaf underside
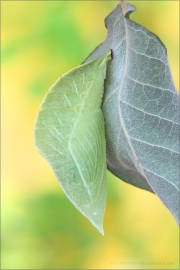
(140, 108)
(70, 135)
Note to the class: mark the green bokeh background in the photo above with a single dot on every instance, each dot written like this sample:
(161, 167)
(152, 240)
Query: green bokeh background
(40, 228)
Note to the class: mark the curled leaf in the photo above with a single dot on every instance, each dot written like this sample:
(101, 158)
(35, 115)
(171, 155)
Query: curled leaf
(141, 108)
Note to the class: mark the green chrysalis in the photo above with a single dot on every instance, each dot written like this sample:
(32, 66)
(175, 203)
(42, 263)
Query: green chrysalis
(70, 135)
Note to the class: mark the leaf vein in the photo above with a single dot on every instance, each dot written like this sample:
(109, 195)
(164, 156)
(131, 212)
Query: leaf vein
(144, 112)
(154, 145)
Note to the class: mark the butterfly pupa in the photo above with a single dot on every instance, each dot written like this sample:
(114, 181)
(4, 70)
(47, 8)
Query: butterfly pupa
(70, 135)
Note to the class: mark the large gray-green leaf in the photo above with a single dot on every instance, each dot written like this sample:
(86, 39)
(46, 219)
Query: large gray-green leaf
(69, 133)
(140, 107)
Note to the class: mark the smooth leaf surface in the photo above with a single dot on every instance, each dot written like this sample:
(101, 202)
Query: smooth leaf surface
(141, 108)
(69, 133)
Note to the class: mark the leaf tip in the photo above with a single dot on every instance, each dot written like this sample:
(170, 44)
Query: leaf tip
(127, 8)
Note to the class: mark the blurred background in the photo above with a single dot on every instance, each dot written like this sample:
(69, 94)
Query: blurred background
(40, 228)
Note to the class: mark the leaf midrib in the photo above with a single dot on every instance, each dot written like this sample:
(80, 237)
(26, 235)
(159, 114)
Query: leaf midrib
(119, 109)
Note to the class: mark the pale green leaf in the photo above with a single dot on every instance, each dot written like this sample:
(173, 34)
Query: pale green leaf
(69, 133)
(141, 108)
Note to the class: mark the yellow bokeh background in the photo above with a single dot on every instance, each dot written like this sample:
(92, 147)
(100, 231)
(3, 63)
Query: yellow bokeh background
(41, 40)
